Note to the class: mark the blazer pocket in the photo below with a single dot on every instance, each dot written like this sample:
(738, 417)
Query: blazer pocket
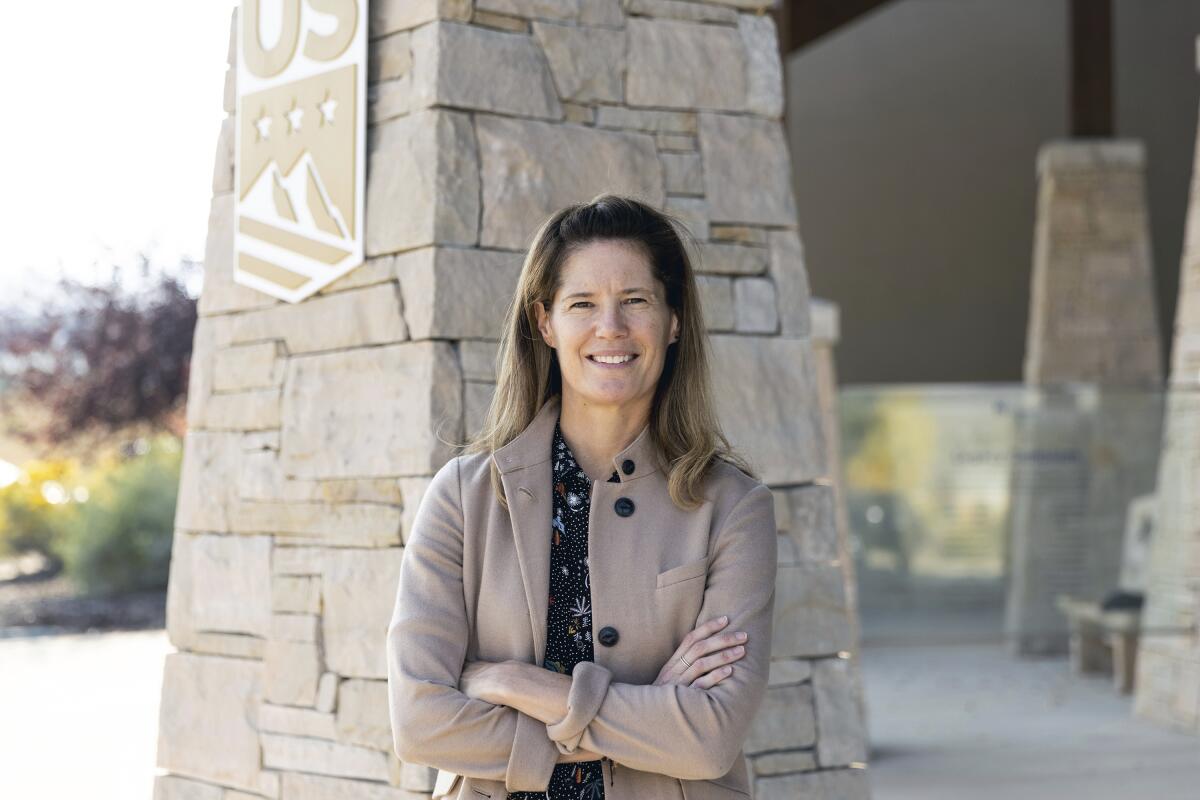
(683, 572)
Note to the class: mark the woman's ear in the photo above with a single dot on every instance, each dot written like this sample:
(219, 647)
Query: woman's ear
(543, 323)
(674, 327)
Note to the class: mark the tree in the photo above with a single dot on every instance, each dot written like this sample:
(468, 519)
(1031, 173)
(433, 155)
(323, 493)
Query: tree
(99, 360)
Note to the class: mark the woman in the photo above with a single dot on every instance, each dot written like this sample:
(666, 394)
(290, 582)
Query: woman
(586, 593)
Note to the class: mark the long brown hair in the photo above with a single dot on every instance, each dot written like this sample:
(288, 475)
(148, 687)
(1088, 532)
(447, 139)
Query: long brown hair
(682, 420)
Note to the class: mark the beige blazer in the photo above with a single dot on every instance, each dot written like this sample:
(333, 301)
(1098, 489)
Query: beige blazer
(474, 585)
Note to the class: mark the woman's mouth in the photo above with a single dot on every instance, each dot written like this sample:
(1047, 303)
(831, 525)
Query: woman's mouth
(613, 362)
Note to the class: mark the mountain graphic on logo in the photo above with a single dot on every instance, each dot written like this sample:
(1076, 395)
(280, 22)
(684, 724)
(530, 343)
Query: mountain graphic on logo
(293, 211)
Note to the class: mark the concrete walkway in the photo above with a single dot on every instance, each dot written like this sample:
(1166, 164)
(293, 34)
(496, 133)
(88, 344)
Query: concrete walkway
(80, 715)
(970, 721)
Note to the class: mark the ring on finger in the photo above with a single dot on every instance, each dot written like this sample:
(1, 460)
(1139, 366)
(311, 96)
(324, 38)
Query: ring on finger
(684, 660)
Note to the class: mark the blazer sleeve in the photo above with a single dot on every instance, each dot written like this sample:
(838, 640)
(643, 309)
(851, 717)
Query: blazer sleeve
(690, 733)
(433, 723)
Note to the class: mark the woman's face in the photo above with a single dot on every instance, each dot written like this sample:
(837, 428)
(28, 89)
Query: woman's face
(609, 303)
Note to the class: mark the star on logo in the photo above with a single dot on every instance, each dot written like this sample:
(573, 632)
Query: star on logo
(327, 108)
(263, 125)
(293, 117)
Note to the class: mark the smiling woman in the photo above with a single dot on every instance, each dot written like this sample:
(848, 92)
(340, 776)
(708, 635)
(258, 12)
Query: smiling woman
(588, 590)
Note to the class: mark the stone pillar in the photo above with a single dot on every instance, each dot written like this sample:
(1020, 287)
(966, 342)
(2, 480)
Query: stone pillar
(1168, 670)
(315, 427)
(1087, 440)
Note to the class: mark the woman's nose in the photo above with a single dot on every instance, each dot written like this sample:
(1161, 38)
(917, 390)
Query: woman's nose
(612, 319)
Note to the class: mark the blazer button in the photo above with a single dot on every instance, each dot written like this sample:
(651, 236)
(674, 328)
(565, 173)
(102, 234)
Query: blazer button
(627, 466)
(623, 506)
(608, 636)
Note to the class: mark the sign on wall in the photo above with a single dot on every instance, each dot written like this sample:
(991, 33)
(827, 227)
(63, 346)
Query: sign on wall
(301, 133)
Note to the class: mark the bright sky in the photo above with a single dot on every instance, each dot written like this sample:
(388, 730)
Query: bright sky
(109, 127)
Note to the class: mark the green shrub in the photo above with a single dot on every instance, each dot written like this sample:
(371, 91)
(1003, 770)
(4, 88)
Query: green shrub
(29, 520)
(120, 539)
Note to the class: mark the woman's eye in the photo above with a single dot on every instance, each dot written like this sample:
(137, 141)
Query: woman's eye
(578, 303)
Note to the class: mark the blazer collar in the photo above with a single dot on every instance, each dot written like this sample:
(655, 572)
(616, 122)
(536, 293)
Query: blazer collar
(532, 446)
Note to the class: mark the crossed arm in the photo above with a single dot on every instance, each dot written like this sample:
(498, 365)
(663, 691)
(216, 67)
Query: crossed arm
(682, 731)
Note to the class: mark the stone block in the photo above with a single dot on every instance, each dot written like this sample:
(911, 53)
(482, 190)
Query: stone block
(172, 787)
(785, 266)
(533, 9)
(302, 786)
(229, 579)
(732, 259)
(292, 670)
(294, 627)
(451, 293)
(807, 524)
(762, 378)
(679, 9)
(588, 64)
(389, 16)
(422, 182)
(390, 57)
(254, 366)
(716, 301)
(256, 409)
(684, 173)
(478, 359)
(531, 169)
(356, 318)
(296, 594)
(764, 68)
(754, 305)
(839, 713)
(296, 721)
(844, 784)
(469, 67)
(747, 170)
(301, 754)
(206, 720)
(222, 181)
(693, 213)
(206, 495)
(650, 120)
(777, 763)
(787, 671)
(477, 398)
(785, 720)
(362, 715)
(678, 64)
(359, 593)
(360, 436)
(811, 615)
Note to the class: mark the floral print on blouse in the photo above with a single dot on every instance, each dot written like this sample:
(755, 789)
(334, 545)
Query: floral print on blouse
(569, 615)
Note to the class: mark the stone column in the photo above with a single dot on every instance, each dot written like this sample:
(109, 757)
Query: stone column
(1087, 439)
(314, 427)
(1168, 670)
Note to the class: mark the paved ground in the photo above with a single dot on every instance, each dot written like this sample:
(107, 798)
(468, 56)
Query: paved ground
(971, 721)
(80, 714)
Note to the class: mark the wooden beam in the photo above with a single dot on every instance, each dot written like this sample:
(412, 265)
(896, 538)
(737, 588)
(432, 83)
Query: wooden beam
(802, 22)
(1091, 69)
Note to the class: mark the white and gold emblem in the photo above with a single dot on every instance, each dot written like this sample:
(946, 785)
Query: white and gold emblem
(301, 131)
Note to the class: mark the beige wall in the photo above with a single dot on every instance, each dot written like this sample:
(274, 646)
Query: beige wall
(914, 134)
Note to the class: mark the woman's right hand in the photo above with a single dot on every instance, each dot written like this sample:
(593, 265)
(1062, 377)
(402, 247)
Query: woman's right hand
(709, 651)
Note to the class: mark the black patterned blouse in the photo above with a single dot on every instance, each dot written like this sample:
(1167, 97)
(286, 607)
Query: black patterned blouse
(569, 618)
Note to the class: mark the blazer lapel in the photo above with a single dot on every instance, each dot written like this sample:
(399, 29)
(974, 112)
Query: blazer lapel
(524, 465)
